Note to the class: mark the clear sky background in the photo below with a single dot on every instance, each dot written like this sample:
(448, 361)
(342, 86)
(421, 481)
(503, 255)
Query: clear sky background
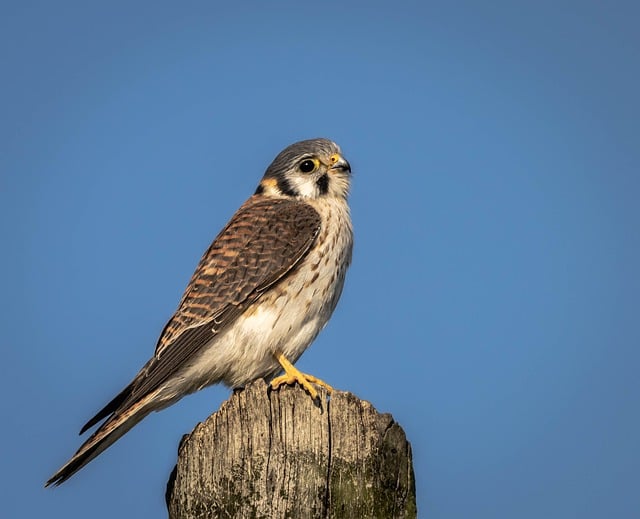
(492, 305)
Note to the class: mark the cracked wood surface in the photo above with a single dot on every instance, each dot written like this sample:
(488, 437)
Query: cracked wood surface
(274, 454)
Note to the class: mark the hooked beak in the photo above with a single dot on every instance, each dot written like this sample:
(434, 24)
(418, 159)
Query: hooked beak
(338, 162)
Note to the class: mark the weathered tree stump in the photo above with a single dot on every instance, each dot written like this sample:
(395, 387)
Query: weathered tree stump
(275, 454)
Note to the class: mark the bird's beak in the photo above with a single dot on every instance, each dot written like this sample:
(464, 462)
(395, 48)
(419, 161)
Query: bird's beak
(339, 163)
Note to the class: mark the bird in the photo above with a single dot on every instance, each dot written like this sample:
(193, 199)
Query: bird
(259, 296)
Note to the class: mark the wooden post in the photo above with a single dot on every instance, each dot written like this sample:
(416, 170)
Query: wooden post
(275, 454)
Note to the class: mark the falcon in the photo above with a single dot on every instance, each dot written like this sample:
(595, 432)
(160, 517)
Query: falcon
(260, 295)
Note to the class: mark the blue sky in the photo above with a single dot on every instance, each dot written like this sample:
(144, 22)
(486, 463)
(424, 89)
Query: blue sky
(492, 305)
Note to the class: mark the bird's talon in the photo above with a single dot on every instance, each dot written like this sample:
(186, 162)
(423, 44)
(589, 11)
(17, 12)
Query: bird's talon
(283, 379)
(318, 382)
(293, 375)
(291, 380)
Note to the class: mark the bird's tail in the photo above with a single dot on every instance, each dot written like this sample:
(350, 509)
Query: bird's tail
(115, 427)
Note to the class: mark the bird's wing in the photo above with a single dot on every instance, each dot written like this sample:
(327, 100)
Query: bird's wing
(264, 240)
(260, 245)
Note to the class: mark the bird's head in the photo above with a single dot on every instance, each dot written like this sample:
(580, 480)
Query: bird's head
(308, 169)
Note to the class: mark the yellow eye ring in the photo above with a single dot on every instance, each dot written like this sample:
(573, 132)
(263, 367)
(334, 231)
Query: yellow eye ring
(309, 165)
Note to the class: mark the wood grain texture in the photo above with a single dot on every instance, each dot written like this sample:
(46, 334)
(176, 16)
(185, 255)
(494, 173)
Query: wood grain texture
(275, 454)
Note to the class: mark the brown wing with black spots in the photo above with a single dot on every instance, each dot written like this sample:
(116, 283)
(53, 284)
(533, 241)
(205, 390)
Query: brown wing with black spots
(262, 243)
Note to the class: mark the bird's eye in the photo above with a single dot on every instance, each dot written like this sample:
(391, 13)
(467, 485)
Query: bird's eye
(307, 166)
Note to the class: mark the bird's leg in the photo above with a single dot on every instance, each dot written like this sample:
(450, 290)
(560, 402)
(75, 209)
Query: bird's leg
(293, 375)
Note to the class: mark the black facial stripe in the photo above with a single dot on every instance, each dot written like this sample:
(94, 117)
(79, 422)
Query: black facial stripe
(285, 187)
(323, 184)
(260, 189)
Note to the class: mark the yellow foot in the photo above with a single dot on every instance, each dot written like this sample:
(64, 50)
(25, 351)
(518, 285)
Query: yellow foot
(292, 375)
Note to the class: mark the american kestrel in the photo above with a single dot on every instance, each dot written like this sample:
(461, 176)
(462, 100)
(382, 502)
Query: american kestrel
(260, 295)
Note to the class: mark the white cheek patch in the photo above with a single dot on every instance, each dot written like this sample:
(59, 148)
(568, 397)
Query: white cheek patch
(305, 186)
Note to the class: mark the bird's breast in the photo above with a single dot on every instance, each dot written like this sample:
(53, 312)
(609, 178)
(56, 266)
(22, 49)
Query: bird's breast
(288, 316)
(291, 314)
